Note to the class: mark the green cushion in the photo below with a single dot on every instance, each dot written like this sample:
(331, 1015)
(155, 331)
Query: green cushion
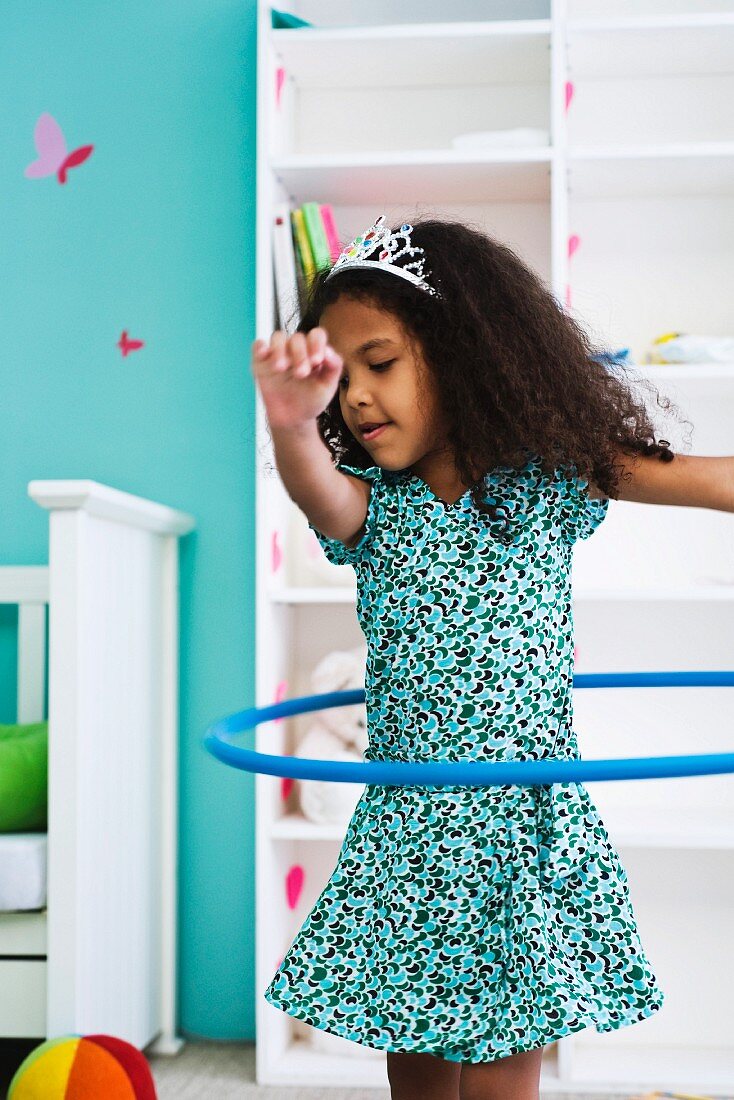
(24, 778)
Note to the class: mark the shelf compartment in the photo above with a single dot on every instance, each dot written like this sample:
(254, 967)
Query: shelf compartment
(670, 249)
(483, 77)
(645, 171)
(666, 110)
(23, 1007)
(682, 903)
(642, 562)
(673, 77)
(687, 814)
(652, 46)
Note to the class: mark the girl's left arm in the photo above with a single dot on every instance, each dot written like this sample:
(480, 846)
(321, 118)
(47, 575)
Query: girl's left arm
(695, 481)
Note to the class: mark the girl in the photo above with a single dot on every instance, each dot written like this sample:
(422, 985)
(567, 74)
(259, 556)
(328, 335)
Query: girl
(463, 928)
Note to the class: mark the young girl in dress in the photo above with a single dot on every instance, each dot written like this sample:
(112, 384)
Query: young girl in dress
(464, 928)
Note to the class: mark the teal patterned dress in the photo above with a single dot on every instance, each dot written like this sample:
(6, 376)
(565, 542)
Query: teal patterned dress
(470, 923)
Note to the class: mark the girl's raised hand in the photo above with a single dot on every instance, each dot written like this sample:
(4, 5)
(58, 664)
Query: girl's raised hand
(298, 376)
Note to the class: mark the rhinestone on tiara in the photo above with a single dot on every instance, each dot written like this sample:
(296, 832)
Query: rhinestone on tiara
(389, 246)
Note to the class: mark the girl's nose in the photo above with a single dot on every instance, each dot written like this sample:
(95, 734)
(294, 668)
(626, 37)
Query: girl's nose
(357, 395)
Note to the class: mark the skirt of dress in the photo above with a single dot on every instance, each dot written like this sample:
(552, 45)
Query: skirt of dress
(470, 923)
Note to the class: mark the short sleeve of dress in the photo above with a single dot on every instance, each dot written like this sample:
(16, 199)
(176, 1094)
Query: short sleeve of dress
(337, 552)
(579, 514)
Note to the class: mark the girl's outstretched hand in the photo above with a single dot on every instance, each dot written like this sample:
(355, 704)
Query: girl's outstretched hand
(298, 376)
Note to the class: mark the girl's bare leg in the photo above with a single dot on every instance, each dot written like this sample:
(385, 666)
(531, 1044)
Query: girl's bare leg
(422, 1077)
(516, 1077)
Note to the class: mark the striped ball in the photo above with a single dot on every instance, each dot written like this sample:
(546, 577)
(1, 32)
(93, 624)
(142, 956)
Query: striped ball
(83, 1067)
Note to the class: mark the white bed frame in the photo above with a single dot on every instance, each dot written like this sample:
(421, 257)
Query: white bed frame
(101, 958)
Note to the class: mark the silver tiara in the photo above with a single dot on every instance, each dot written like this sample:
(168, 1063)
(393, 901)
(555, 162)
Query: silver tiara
(389, 246)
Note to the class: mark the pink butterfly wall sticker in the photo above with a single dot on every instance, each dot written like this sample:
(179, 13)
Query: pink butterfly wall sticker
(52, 156)
(127, 345)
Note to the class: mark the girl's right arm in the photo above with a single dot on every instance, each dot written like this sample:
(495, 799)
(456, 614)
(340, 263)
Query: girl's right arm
(298, 376)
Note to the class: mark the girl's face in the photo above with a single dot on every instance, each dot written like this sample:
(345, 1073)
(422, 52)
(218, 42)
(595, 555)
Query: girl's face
(384, 380)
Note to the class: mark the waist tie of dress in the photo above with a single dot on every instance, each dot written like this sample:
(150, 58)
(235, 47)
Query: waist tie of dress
(567, 826)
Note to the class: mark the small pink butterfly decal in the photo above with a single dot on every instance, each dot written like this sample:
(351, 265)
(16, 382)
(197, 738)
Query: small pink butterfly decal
(286, 786)
(294, 885)
(276, 554)
(281, 691)
(279, 81)
(125, 345)
(52, 156)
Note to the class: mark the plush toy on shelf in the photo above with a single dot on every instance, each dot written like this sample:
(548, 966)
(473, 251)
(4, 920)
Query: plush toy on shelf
(683, 347)
(339, 733)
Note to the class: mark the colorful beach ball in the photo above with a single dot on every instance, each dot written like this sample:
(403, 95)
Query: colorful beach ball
(83, 1067)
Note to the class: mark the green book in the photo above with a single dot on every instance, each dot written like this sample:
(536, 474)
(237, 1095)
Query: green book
(316, 235)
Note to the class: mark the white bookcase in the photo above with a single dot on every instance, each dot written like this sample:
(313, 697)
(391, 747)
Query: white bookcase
(638, 170)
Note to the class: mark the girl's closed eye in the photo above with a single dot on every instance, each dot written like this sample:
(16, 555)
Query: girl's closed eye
(373, 366)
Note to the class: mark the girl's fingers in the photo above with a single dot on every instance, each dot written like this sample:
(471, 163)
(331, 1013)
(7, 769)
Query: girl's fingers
(333, 358)
(302, 352)
(300, 355)
(261, 352)
(280, 360)
(316, 342)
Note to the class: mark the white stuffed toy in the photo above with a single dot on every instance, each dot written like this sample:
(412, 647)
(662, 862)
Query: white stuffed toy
(338, 733)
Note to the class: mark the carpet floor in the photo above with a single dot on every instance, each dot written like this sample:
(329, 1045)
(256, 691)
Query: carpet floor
(205, 1070)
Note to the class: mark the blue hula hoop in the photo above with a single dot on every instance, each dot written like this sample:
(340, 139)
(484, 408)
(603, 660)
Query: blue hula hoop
(470, 773)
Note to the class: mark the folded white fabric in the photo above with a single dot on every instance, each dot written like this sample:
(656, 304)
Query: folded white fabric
(22, 871)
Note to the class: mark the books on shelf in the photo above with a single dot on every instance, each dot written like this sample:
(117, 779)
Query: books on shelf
(305, 241)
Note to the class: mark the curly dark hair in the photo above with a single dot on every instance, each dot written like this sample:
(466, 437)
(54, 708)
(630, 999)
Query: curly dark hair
(515, 374)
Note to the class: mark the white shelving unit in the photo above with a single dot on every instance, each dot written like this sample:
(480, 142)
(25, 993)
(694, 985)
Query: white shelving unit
(637, 99)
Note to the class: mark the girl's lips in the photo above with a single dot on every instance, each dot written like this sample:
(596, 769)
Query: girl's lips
(373, 434)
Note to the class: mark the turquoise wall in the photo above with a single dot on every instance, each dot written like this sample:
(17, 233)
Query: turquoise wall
(154, 233)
